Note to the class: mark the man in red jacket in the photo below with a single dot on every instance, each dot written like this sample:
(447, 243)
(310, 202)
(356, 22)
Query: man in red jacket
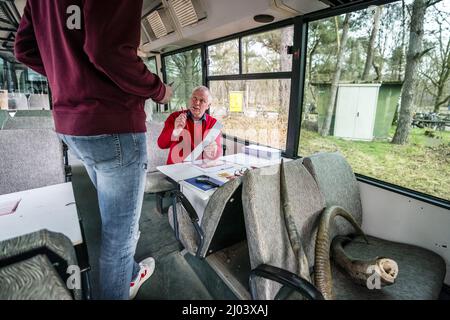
(88, 51)
(192, 131)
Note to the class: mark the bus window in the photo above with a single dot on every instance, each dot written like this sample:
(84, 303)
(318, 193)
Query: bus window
(353, 97)
(185, 71)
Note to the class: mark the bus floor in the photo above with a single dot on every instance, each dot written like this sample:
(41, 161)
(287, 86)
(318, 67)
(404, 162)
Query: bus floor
(173, 279)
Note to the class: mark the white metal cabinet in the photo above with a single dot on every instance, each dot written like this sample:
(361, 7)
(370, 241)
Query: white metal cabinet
(355, 111)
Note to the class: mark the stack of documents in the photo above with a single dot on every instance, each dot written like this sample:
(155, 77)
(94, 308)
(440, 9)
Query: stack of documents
(262, 152)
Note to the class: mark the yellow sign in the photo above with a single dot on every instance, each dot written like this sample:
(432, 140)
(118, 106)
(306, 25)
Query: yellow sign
(4, 99)
(236, 101)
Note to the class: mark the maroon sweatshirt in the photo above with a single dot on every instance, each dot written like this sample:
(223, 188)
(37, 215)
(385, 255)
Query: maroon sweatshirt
(98, 83)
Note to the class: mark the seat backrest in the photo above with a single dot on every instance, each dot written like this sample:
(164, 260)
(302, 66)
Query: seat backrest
(222, 221)
(306, 203)
(18, 101)
(29, 123)
(33, 113)
(4, 117)
(267, 236)
(156, 155)
(339, 186)
(51, 254)
(30, 159)
(39, 102)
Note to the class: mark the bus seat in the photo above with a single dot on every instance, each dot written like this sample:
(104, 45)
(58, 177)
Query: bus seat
(17, 101)
(34, 267)
(33, 113)
(156, 182)
(39, 102)
(221, 226)
(272, 259)
(4, 117)
(29, 123)
(30, 158)
(421, 272)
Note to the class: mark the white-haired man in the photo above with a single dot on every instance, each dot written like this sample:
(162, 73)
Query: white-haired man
(184, 130)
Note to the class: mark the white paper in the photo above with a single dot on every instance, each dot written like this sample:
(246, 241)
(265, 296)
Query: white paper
(9, 207)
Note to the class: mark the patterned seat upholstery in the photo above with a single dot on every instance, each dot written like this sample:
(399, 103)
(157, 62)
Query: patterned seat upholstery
(23, 154)
(222, 223)
(33, 113)
(267, 228)
(34, 266)
(323, 180)
(36, 122)
(421, 272)
(157, 182)
(39, 102)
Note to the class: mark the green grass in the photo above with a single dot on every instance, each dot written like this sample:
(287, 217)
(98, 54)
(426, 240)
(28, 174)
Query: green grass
(423, 164)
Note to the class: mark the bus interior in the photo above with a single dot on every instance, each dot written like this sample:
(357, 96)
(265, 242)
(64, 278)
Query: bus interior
(354, 98)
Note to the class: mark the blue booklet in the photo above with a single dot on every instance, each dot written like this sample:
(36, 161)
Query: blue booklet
(204, 182)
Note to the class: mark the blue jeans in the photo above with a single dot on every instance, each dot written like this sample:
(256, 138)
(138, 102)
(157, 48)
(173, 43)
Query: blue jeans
(117, 166)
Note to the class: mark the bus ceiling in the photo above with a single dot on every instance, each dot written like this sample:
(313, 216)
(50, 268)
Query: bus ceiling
(169, 25)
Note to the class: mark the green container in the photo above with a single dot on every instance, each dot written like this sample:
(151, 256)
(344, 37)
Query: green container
(388, 96)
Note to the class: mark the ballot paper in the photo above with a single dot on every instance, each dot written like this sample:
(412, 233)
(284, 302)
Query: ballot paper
(9, 207)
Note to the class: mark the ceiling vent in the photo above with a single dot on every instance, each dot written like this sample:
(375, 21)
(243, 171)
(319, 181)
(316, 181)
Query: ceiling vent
(157, 24)
(187, 12)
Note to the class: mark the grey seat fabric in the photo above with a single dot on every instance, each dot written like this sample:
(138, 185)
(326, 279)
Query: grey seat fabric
(4, 117)
(29, 123)
(18, 101)
(32, 279)
(421, 272)
(156, 182)
(228, 194)
(30, 159)
(338, 184)
(33, 113)
(33, 266)
(156, 155)
(267, 229)
(39, 102)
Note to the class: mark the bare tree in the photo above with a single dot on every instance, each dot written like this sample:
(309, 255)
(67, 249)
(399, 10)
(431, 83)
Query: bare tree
(415, 53)
(371, 46)
(325, 130)
(438, 71)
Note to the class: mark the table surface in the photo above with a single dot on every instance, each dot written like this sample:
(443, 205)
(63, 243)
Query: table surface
(51, 207)
(199, 198)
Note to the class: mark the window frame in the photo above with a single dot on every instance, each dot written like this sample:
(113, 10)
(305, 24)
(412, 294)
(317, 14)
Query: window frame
(298, 76)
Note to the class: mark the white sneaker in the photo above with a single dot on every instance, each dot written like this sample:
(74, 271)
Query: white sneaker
(147, 268)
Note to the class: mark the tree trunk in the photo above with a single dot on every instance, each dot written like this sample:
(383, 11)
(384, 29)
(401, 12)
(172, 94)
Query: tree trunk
(402, 56)
(438, 100)
(444, 74)
(413, 56)
(325, 130)
(371, 46)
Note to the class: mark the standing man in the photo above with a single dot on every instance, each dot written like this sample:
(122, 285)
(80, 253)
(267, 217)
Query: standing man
(88, 51)
(185, 130)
